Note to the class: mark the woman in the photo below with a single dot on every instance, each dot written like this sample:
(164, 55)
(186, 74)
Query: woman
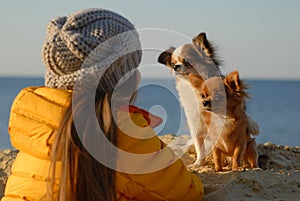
(79, 137)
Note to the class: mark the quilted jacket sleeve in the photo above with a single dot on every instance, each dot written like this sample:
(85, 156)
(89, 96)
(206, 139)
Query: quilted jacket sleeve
(35, 116)
(149, 170)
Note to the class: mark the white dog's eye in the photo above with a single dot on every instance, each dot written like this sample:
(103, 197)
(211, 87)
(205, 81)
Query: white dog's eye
(187, 63)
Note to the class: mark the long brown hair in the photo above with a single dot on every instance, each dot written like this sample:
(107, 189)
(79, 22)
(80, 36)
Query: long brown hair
(82, 177)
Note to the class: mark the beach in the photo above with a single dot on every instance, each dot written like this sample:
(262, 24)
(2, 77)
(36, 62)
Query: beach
(7, 156)
(277, 179)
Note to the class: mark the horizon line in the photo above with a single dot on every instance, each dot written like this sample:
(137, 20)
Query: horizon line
(275, 78)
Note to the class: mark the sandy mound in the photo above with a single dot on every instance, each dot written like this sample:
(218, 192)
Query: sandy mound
(278, 179)
(6, 158)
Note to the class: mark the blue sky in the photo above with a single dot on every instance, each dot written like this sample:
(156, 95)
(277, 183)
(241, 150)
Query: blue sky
(260, 38)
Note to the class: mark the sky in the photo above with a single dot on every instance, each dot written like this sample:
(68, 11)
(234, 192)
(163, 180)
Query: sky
(260, 38)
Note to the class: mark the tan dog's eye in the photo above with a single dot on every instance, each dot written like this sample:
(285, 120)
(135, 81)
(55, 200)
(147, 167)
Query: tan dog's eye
(218, 96)
(202, 95)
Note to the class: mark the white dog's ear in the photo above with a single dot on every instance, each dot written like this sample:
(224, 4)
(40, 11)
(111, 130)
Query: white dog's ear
(196, 80)
(202, 42)
(165, 57)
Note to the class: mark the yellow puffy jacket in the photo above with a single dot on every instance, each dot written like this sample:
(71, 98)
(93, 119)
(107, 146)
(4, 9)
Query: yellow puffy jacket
(35, 116)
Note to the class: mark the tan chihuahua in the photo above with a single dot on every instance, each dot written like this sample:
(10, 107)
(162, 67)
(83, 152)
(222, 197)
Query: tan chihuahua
(223, 112)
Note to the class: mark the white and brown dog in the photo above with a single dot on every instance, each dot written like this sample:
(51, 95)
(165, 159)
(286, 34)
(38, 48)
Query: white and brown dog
(199, 58)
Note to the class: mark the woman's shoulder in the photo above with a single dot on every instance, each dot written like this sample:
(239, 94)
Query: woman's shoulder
(35, 115)
(55, 95)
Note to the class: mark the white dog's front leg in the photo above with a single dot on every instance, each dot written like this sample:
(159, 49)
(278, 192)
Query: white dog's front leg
(200, 150)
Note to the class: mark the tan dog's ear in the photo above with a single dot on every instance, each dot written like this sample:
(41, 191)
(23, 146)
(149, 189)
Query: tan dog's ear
(196, 80)
(232, 80)
(165, 57)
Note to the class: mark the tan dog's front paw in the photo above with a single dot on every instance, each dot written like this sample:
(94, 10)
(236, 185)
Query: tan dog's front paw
(218, 169)
(238, 169)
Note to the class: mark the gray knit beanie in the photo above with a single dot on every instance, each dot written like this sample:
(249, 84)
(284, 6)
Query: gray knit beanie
(72, 39)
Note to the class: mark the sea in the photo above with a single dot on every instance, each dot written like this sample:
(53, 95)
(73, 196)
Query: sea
(274, 105)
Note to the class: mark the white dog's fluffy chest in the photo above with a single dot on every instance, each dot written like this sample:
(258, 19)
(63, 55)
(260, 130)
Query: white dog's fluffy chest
(189, 101)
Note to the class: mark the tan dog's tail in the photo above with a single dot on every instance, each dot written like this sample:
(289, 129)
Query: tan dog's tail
(253, 127)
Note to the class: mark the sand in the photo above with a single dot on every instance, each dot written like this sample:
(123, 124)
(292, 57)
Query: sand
(278, 178)
(6, 158)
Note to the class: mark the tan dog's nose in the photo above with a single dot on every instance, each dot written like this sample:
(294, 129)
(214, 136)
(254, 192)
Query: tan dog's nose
(206, 103)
